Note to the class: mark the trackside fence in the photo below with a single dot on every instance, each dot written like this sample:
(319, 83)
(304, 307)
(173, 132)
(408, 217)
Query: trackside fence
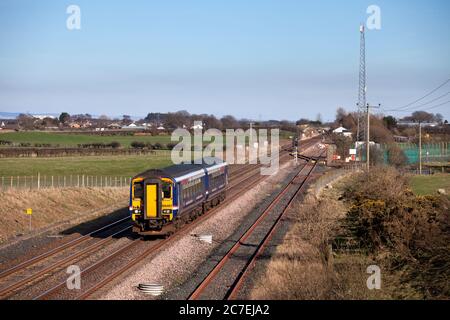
(330, 176)
(71, 181)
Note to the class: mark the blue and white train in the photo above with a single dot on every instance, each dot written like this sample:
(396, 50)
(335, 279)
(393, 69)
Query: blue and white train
(160, 197)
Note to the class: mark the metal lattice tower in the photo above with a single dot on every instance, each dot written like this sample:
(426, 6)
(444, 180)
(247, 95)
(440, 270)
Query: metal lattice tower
(361, 130)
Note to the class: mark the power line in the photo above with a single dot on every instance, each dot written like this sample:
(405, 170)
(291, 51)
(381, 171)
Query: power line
(421, 105)
(432, 107)
(421, 98)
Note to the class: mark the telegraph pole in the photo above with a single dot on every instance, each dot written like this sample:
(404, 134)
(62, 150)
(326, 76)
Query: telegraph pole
(368, 138)
(420, 147)
(368, 135)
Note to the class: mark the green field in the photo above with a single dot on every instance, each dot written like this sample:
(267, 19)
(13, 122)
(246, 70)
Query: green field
(428, 185)
(126, 166)
(72, 140)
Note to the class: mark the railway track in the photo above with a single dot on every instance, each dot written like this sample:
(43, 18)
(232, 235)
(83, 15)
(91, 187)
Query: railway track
(239, 180)
(226, 278)
(239, 175)
(234, 193)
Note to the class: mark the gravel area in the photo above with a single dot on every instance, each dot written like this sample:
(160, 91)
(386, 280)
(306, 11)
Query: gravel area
(174, 265)
(42, 241)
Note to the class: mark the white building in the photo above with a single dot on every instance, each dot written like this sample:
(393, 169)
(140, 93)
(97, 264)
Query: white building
(43, 116)
(341, 130)
(197, 126)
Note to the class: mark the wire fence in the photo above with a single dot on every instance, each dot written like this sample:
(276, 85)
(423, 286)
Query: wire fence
(333, 175)
(431, 152)
(70, 181)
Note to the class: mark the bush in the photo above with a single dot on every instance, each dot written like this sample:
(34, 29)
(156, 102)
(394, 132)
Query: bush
(25, 144)
(396, 156)
(114, 145)
(138, 145)
(5, 142)
(410, 232)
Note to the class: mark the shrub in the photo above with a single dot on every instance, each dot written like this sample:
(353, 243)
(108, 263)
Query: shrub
(409, 231)
(114, 145)
(396, 156)
(25, 144)
(5, 142)
(138, 145)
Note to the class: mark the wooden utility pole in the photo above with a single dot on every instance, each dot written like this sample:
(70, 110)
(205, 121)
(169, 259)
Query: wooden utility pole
(420, 148)
(368, 136)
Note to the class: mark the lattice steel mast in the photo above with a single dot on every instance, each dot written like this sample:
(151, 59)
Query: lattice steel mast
(361, 130)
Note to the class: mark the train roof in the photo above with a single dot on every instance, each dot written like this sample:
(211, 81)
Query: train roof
(180, 170)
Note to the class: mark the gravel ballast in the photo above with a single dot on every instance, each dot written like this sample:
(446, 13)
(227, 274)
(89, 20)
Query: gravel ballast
(175, 264)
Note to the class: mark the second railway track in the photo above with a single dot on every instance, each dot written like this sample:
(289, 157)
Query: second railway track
(239, 179)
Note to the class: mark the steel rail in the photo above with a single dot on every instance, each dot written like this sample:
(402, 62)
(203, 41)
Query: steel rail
(58, 249)
(239, 281)
(185, 229)
(34, 276)
(209, 278)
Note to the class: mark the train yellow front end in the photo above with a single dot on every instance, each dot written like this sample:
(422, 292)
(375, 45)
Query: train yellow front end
(151, 203)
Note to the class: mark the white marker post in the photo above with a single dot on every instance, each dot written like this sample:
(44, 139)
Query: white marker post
(29, 212)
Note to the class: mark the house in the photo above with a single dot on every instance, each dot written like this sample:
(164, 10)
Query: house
(133, 127)
(401, 139)
(341, 130)
(197, 126)
(43, 116)
(114, 125)
(74, 125)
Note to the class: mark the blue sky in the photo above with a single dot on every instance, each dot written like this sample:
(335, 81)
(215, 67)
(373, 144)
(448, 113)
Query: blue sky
(257, 59)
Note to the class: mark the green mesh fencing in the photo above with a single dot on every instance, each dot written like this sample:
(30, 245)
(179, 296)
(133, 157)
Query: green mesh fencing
(431, 152)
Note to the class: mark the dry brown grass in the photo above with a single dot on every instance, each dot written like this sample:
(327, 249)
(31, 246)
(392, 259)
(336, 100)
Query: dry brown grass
(304, 266)
(385, 224)
(300, 268)
(52, 206)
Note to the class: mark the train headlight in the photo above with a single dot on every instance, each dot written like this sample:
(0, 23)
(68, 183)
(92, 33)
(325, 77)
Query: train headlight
(136, 211)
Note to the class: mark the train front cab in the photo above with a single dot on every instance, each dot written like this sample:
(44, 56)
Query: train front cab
(151, 204)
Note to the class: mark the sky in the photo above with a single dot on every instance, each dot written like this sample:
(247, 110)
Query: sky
(257, 59)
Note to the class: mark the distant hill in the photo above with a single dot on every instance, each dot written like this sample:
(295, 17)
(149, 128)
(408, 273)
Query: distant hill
(13, 115)
(8, 115)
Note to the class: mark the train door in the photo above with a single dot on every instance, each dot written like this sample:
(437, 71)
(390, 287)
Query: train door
(152, 200)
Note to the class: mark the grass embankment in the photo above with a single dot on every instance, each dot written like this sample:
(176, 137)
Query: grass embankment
(304, 267)
(429, 185)
(363, 221)
(125, 166)
(53, 206)
(72, 140)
